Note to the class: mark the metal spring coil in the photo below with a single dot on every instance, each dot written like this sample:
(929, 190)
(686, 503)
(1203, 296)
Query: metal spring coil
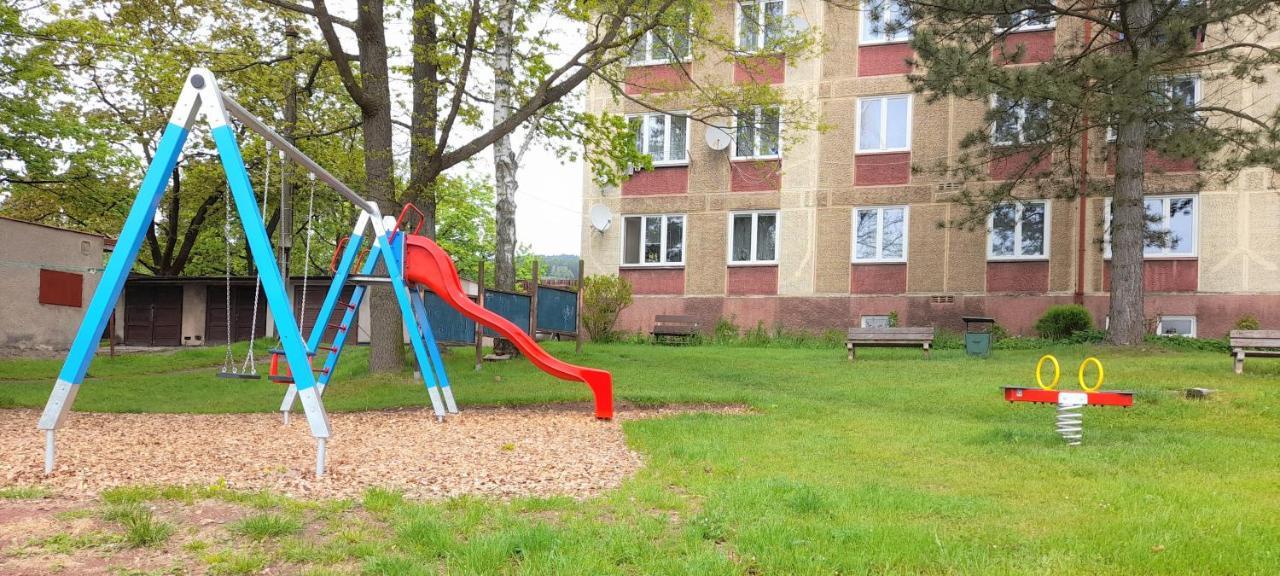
(1070, 423)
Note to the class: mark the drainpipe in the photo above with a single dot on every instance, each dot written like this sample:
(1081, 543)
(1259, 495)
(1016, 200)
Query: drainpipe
(1083, 201)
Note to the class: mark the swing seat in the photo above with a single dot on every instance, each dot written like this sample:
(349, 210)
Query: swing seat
(240, 375)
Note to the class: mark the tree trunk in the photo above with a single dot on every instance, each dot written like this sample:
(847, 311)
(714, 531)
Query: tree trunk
(504, 160)
(1128, 214)
(426, 113)
(386, 333)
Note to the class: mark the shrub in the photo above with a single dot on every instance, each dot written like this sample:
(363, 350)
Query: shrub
(893, 319)
(1062, 322)
(725, 332)
(603, 298)
(1248, 322)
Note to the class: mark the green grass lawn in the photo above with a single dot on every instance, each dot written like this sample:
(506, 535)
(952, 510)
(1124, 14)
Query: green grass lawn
(894, 465)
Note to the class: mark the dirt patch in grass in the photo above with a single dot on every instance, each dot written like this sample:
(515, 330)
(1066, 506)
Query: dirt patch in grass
(487, 451)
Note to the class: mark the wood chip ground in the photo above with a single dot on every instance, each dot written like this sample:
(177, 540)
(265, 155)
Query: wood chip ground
(485, 451)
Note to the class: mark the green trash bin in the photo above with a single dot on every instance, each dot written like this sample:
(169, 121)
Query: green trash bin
(977, 335)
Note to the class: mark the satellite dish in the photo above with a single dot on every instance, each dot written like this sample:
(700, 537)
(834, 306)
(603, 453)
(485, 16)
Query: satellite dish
(718, 138)
(601, 217)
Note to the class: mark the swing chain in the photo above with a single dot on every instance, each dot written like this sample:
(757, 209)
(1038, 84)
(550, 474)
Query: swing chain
(306, 260)
(250, 366)
(229, 362)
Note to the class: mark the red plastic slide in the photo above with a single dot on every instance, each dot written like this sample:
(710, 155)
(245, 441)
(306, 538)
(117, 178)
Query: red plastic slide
(428, 264)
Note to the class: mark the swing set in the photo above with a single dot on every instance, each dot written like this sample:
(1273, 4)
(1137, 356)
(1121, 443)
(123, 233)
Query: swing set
(413, 263)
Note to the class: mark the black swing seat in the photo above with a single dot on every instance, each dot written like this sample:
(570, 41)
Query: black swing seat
(240, 375)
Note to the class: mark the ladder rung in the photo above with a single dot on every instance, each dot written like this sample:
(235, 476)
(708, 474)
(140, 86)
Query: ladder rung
(280, 351)
(363, 279)
(347, 305)
(329, 348)
(340, 327)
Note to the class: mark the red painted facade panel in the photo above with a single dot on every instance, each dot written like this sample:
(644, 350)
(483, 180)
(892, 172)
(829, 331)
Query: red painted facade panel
(657, 78)
(878, 279)
(760, 70)
(882, 59)
(1018, 276)
(882, 169)
(1007, 167)
(660, 180)
(755, 175)
(1163, 275)
(61, 288)
(654, 280)
(1036, 46)
(752, 280)
(1156, 162)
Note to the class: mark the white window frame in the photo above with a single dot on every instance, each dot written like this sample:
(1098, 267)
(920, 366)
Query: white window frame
(879, 258)
(1017, 233)
(862, 321)
(666, 131)
(1197, 87)
(1025, 27)
(1021, 110)
(664, 263)
(755, 226)
(1164, 250)
(757, 112)
(760, 20)
(884, 123)
(648, 40)
(1163, 317)
(864, 40)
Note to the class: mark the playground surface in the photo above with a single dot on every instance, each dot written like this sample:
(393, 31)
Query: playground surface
(892, 465)
(500, 452)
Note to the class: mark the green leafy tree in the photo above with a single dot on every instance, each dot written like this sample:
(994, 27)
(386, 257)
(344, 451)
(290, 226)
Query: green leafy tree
(603, 298)
(1129, 79)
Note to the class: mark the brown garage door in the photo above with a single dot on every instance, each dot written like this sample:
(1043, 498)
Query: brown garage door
(215, 317)
(153, 315)
(315, 298)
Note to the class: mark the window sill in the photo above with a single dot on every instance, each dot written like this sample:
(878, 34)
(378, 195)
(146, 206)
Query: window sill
(862, 43)
(1023, 30)
(745, 159)
(859, 262)
(1182, 257)
(761, 264)
(682, 164)
(651, 266)
(881, 152)
(659, 63)
(1017, 258)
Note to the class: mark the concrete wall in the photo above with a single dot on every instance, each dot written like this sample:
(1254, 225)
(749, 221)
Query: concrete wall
(24, 250)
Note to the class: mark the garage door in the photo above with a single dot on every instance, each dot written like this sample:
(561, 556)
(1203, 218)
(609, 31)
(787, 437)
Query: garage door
(153, 315)
(215, 318)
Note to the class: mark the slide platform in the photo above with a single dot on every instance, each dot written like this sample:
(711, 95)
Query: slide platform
(426, 263)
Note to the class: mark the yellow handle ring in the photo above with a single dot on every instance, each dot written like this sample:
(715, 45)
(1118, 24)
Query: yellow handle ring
(1101, 375)
(1057, 372)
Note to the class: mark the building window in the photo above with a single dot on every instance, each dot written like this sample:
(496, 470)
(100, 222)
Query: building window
(653, 240)
(1177, 326)
(59, 288)
(880, 234)
(876, 322)
(661, 45)
(757, 133)
(1179, 96)
(884, 21)
(759, 23)
(1019, 122)
(753, 238)
(664, 137)
(884, 123)
(1019, 231)
(1037, 18)
(1171, 227)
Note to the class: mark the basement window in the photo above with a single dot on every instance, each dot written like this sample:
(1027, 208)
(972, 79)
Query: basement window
(1177, 326)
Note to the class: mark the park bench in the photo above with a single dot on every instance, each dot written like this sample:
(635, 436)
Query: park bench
(1253, 343)
(674, 329)
(905, 337)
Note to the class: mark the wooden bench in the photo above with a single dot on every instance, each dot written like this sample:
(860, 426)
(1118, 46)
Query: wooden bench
(674, 329)
(905, 337)
(1254, 343)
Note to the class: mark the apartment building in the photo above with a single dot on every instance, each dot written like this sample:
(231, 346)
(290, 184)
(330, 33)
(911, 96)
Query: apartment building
(837, 230)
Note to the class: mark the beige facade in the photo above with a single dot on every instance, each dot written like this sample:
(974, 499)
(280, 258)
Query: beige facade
(1232, 269)
(44, 263)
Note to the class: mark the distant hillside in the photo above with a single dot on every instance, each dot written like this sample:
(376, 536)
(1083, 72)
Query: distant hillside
(561, 266)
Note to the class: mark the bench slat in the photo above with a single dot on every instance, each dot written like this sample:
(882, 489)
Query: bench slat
(1270, 353)
(1256, 342)
(675, 319)
(890, 337)
(1255, 334)
(674, 329)
(895, 331)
